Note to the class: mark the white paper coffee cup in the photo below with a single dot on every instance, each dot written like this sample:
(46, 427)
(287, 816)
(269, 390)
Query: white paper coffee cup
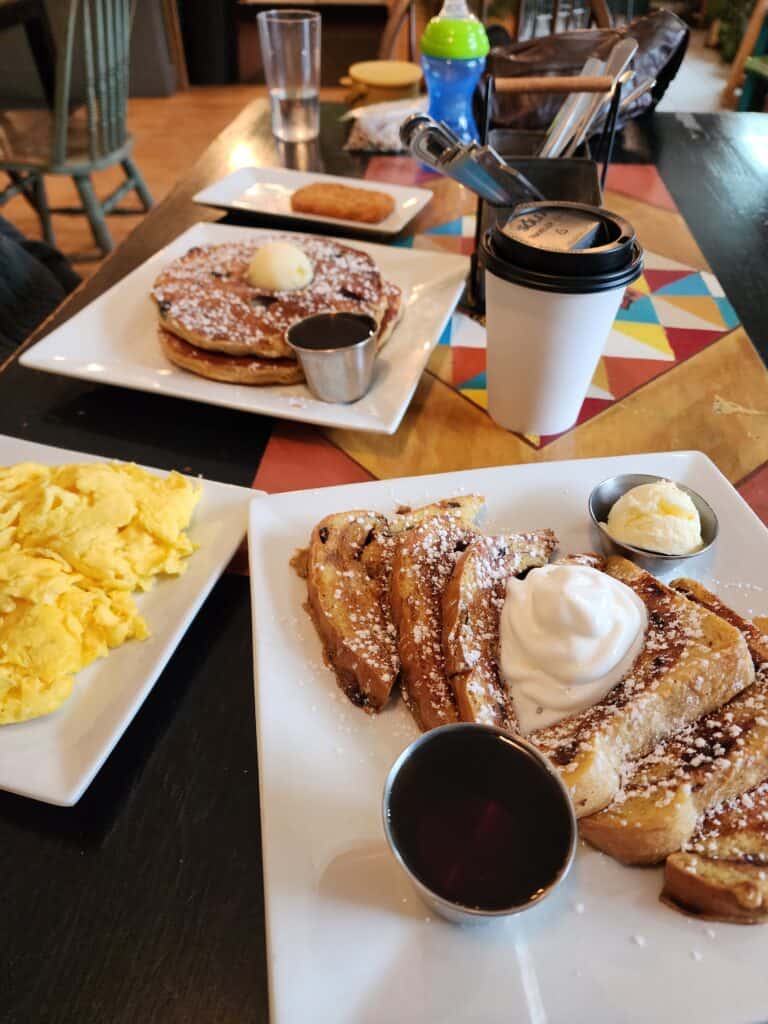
(549, 310)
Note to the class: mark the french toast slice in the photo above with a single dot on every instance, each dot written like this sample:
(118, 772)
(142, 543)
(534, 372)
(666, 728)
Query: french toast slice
(464, 508)
(423, 562)
(753, 630)
(722, 874)
(471, 608)
(716, 758)
(348, 566)
(347, 570)
(691, 663)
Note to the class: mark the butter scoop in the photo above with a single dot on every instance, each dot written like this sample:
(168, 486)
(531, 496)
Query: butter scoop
(657, 516)
(280, 267)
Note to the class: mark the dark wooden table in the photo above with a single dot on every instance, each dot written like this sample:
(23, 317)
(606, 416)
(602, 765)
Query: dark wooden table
(144, 903)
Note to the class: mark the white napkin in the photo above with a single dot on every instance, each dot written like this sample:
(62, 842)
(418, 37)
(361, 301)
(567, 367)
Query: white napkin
(376, 128)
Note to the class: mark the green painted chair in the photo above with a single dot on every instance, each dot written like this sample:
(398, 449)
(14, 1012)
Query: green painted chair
(80, 135)
(755, 88)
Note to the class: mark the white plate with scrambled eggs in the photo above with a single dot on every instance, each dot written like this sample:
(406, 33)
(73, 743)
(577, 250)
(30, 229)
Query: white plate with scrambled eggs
(103, 566)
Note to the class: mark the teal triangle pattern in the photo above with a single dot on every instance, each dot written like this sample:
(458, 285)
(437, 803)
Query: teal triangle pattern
(453, 227)
(478, 382)
(692, 285)
(728, 313)
(404, 243)
(640, 311)
(445, 337)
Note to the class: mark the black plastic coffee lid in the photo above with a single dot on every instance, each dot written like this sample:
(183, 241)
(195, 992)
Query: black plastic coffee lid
(563, 247)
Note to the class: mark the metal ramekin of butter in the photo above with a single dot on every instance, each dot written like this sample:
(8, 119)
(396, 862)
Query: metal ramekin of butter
(607, 495)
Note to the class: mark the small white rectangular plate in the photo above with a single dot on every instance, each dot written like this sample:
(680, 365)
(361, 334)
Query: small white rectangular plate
(268, 190)
(55, 758)
(349, 940)
(114, 339)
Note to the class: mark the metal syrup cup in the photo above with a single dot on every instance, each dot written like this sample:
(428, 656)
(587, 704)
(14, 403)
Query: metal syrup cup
(451, 910)
(337, 373)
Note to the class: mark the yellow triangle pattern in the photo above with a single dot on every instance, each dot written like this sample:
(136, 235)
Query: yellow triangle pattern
(652, 335)
(699, 305)
(641, 285)
(441, 363)
(477, 395)
(600, 378)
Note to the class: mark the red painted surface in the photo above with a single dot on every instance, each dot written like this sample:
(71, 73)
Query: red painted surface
(624, 375)
(398, 170)
(659, 278)
(754, 490)
(466, 363)
(298, 456)
(685, 342)
(641, 181)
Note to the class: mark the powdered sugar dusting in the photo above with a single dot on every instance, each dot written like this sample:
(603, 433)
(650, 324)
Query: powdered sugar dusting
(206, 293)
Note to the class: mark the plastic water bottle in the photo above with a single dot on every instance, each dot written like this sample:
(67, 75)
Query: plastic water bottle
(453, 50)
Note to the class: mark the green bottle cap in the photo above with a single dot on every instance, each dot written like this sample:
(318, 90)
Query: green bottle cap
(454, 38)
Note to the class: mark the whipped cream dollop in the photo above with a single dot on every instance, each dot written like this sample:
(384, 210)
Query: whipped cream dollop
(568, 634)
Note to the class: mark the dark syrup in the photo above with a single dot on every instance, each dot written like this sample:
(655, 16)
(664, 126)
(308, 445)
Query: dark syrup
(479, 821)
(331, 330)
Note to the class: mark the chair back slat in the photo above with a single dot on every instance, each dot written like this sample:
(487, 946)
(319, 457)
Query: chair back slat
(97, 40)
(91, 105)
(108, 98)
(63, 86)
(113, 6)
(100, 60)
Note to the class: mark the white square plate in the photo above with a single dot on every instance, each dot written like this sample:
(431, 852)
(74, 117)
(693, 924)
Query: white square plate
(55, 758)
(349, 940)
(114, 339)
(268, 190)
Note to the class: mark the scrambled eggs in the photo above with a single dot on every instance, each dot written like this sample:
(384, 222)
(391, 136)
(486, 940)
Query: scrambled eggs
(74, 542)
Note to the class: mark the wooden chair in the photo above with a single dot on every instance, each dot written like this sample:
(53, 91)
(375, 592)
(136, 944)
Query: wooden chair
(749, 40)
(558, 14)
(555, 16)
(754, 92)
(78, 138)
(401, 12)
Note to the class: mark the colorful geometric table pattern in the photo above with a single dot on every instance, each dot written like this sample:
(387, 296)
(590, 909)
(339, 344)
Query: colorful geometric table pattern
(669, 314)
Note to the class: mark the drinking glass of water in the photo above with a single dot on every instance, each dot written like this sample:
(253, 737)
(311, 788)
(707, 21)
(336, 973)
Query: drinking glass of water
(290, 50)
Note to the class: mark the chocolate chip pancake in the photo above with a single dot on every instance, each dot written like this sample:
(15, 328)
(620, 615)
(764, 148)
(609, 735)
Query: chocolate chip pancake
(230, 369)
(205, 298)
(254, 370)
(393, 311)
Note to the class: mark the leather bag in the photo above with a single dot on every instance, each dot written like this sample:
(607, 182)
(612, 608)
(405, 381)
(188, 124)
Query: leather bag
(662, 40)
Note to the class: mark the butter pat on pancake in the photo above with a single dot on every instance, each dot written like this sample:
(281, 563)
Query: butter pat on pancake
(118, 525)
(53, 623)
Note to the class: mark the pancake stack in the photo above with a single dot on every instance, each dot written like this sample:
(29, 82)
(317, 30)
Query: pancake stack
(216, 324)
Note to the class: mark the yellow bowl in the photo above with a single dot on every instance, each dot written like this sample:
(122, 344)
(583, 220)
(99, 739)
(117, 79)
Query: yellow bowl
(376, 81)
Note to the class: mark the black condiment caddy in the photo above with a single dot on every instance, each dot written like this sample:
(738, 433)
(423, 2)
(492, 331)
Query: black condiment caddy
(578, 179)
